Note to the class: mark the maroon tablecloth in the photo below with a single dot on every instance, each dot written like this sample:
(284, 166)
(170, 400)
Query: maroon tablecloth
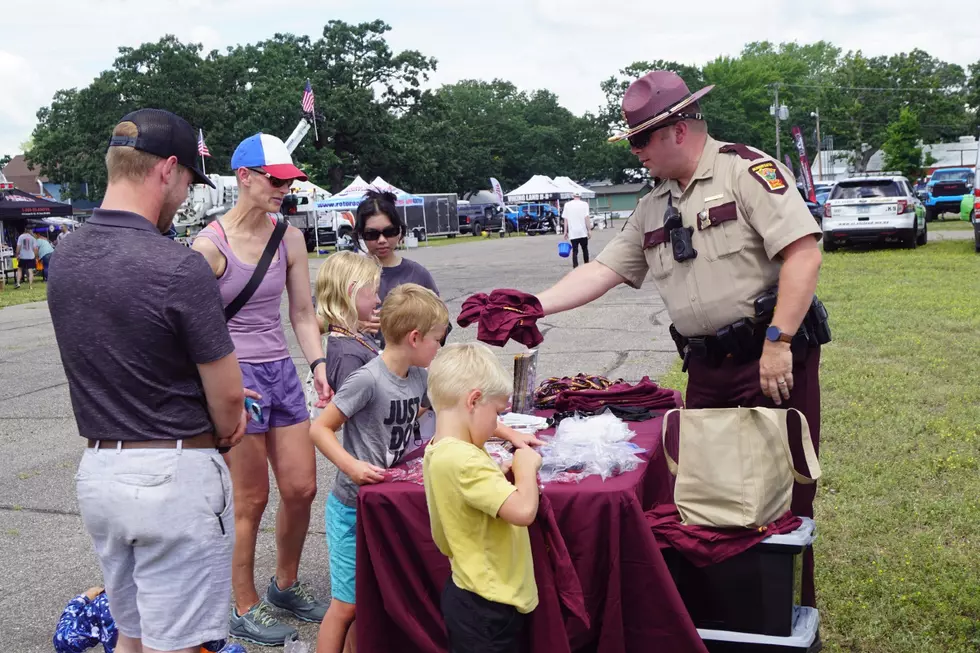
(629, 596)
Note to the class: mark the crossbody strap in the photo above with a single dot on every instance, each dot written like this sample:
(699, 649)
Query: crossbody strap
(263, 266)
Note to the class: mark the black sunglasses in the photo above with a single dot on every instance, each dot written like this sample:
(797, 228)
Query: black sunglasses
(641, 139)
(275, 181)
(387, 232)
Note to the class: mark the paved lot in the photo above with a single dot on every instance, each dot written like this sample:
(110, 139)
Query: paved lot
(47, 555)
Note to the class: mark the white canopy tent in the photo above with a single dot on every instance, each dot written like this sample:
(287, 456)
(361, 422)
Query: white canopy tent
(567, 184)
(538, 187)
(309, 187)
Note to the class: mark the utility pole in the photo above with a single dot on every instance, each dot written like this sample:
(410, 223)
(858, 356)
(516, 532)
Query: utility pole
(780, 113)
(777, 121)
(816, 114)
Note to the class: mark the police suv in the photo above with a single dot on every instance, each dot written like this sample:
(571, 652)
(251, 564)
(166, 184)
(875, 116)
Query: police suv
(873, 210)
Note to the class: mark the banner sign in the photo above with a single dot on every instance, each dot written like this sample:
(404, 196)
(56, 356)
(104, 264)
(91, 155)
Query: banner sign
(804, 165)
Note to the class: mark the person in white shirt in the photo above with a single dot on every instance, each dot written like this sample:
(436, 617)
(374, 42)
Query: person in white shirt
(577, 227)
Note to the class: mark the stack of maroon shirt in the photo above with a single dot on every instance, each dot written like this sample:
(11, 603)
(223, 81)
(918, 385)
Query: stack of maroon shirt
(704, 546)
(645, 394)
(503, 315)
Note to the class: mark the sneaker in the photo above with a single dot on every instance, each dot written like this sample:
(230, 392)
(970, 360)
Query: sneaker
(298, 600)
(259, 626)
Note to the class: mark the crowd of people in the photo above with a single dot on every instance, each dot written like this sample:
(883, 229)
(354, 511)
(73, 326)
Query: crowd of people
(174, 481)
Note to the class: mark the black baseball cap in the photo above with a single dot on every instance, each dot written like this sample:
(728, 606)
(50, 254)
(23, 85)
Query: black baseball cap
(163, 134)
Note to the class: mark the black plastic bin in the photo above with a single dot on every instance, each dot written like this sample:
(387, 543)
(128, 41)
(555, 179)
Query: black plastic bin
(753, 592)
(804, 638)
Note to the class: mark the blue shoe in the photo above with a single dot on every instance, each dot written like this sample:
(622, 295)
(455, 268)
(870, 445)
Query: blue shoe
(259, 626)
(297, 600)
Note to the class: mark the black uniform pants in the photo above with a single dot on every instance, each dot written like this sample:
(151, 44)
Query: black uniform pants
(584, 244)
(731, 385)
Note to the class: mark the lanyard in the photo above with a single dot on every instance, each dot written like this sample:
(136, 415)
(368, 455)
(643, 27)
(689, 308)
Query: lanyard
(356, 336)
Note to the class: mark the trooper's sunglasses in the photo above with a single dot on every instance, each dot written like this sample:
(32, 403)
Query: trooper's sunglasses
(641, 139)
(275, 181)
(387, 232)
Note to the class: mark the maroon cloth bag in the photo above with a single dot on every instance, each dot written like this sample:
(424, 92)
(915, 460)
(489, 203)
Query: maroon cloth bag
(503, 315)
(704, 546)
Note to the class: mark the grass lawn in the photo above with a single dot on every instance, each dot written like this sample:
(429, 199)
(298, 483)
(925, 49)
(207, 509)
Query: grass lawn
(11, 297)
(950, 224)
(898, 509)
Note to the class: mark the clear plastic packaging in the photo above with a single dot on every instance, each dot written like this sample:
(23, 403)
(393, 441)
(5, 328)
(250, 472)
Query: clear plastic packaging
(524, 423)
(586, 446)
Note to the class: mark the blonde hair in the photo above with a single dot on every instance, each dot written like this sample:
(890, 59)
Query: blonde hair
(410, 307)
(338, 281)
(461, 368)
(124, 162)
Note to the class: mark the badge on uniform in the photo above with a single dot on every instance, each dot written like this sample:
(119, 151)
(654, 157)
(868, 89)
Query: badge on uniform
(768, 174)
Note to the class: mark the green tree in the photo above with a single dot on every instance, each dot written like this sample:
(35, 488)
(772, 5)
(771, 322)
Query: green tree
(360, 86)
(4, 160)
(869, 94)
(973, 94)
(903, 154)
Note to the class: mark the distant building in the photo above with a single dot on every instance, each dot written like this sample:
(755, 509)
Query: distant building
(618, 199)
(27, 179)
(836, 163)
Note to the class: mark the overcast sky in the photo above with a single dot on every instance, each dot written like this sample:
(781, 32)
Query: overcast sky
(566, 46)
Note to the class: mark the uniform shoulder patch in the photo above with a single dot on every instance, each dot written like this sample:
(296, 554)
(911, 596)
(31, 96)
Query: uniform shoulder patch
(741, 150)
(767, 173)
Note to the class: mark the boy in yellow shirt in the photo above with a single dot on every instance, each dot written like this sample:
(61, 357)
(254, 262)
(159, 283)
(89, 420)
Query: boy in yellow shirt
(479, 519)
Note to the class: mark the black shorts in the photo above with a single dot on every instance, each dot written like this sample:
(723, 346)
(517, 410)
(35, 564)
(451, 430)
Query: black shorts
(27, 264)
(476, 625)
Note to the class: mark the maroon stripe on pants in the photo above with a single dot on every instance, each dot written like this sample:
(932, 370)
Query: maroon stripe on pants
(731, 385)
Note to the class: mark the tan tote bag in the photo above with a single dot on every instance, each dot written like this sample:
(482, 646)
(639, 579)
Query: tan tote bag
(734, 467)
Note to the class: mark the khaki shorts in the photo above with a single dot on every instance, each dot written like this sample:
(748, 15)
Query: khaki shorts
(162, 522)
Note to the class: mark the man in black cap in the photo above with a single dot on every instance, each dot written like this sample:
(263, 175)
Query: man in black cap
(156, 389)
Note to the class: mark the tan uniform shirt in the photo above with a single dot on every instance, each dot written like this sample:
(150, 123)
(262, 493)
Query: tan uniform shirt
(744, 208)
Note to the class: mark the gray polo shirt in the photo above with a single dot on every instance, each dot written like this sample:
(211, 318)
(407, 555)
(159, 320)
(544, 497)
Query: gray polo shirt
(134, 313)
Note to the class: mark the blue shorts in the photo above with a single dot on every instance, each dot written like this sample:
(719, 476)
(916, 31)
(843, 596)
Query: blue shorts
(283, 400)
(341, 523)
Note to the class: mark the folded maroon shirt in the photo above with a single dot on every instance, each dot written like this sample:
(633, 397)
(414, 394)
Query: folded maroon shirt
(503, 315)
(645, 394)
(704, 546)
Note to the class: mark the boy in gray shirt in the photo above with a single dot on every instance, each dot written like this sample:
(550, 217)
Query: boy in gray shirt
(378, 406)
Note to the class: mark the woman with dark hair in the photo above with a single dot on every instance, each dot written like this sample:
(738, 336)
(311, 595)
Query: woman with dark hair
(379, 227)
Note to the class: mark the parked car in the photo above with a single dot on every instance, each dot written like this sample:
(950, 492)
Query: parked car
(873, 210)
(477, 218)
(970, 208)
(816, 208)
(945, 190)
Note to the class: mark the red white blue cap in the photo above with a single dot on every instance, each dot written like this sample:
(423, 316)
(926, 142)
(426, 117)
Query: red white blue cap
(268, 153)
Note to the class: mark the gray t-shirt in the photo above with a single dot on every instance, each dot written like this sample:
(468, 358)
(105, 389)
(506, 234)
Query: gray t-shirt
(382, 418)
(408, 271)
(344, 356)
(26, 243)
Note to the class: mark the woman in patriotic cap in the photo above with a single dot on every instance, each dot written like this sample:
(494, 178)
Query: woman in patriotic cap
(234, 245)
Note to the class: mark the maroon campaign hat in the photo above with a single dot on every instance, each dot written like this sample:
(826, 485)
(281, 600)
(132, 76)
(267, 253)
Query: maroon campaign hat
(654, 98)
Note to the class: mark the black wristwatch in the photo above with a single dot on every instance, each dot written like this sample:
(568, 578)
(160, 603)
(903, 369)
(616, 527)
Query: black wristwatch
(317, 362)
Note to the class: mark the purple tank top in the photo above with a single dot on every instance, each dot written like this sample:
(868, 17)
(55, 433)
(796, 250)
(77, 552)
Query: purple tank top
(256, 329)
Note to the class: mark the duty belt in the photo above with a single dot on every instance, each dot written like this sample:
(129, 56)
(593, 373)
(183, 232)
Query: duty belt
(743, 340)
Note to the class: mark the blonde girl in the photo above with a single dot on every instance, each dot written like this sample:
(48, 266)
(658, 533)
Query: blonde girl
(346, 297)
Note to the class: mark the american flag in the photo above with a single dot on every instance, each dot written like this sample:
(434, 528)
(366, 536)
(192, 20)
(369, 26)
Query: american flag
(308, 98)
(202, 149)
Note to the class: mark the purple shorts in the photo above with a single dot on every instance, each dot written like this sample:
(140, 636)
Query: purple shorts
(283, 400)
